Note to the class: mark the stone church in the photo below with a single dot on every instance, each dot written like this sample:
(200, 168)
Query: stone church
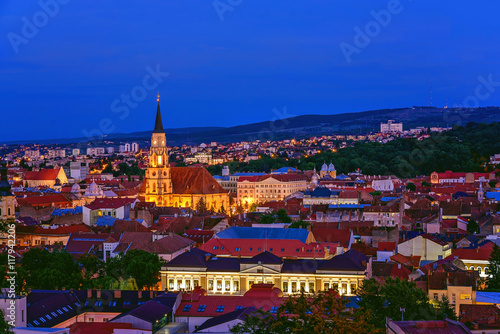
(178, 186)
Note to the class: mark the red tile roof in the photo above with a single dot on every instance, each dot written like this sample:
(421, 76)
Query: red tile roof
(194, 180)
(386, 246)
(330, 235)
(109, 203)
(42, 175)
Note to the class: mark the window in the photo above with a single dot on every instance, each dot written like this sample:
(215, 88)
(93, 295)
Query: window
(479, 269)
(435, 296)
(219, 285)
(210, 284)
(97, 303)
(236, 285)
(66, 310)
(282, 249)
(186, 308)
(196, 283)
(250, 283)
(220, 309)
(42, 319)
(171, 284)
(54, 314)
(49, 317)
(285, 287)
(239, 307)
(91, 319)
(453, 299)
(202, 308)
(227, 285)
(294, 287)
(326, 286)
(311, 286)
(274, 309)
(112, 303)
(179, 284)
(353, 288)
(302, 286)
(105, 319)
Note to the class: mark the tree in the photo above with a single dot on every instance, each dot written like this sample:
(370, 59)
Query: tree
(387, 300)
(323, 312)
(445, 310)
(144, 267)
(375, 193)
(425, 184)
(283, 216)
(492, 184)
(41, 269)
(268, 218)
(93, 268)
(201, 206)
(472, 227)
(5, 328)
(493, 282)
(411, 186)
(299, 224)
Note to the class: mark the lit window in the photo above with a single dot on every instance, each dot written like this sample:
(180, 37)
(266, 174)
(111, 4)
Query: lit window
(186, 308)
(202, 308)
(220, 309)
(274, 309)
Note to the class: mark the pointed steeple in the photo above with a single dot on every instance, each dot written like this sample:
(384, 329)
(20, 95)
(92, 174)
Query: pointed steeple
(158, 122)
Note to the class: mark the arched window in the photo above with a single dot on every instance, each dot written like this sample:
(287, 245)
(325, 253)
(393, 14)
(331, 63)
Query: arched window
(159, 160)
(472, 268)
(0, 211)
(479, 269)
(154, 187)
(8, 211)
(486, 270)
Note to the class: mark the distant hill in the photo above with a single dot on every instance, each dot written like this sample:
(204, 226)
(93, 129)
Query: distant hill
(315, 125)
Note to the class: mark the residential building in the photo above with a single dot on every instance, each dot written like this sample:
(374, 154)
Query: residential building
(427, 246)
(114, 207)
(391, 127)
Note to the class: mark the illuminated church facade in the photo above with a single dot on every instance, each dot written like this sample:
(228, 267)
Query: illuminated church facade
(178, 186)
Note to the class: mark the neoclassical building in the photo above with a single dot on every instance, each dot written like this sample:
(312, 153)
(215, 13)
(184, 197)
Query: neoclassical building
(178, 186)
(235, 276)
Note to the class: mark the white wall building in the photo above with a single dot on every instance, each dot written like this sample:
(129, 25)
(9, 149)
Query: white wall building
(390, 126)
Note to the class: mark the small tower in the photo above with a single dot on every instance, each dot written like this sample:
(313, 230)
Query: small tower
(7, 199)
(480, 192)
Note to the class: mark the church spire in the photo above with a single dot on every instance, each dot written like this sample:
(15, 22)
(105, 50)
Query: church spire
(158, 122)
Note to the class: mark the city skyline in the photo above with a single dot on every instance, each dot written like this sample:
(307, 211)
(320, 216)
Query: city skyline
(234, 64)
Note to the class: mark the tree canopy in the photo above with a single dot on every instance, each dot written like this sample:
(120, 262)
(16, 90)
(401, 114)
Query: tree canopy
(323, 312)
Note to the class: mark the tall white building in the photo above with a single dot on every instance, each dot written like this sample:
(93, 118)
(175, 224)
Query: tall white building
(135, 147)
(58, 153)
(32, 154)
(390, 126)
(78, 170)
(95, 151)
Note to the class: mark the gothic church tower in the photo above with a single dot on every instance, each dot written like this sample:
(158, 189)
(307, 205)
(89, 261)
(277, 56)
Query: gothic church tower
(159, 180)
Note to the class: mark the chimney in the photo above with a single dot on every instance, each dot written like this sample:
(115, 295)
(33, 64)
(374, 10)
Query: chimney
(117, 294)
(89, 293)
(399, 265)
(98, 293)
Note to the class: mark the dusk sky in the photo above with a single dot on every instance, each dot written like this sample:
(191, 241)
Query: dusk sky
(233, 65)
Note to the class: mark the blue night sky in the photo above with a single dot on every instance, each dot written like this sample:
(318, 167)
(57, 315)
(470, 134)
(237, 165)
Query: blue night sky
(69, 76)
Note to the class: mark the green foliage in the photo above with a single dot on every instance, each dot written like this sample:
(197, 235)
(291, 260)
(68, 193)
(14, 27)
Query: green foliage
(493, 282)
(144, 267)
(386, 300)
(5, 328)
(375, 193)
(93, 267)
(464, 148)
(472, 226)
(41, 269)
(411, 186)
(324, 312)
(283, 216)
(445, 310)
(299, 224)
(425, 184)
(268, 218)
(492, 183)
(201, 206)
